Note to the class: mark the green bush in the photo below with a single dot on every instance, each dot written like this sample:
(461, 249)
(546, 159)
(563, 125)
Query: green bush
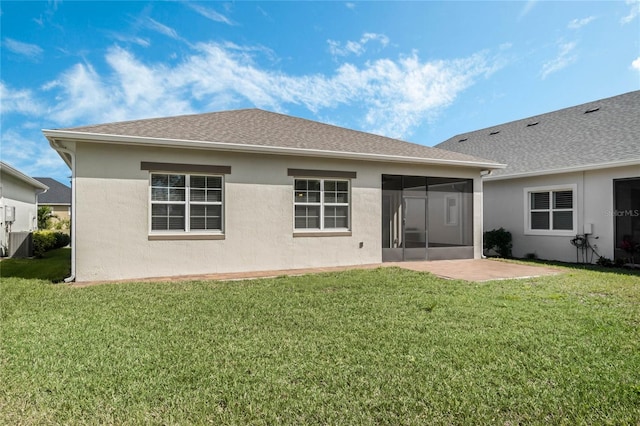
(498, 240)
(43, 241)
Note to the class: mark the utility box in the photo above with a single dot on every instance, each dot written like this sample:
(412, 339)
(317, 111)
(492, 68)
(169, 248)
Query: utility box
(20, 244)
(9, 214)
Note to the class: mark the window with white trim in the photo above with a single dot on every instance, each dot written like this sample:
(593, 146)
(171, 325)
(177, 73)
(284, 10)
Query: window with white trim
(321, 204)
(186, 203)
(551, 210)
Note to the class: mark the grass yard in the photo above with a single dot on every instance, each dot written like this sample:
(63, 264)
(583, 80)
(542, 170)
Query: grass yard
(55, 266)
(383, 346)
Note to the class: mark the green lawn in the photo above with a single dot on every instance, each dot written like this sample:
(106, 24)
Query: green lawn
(384, 346)
(55, 266)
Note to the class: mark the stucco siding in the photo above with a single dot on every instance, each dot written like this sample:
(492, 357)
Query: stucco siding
(112, 214)
(504, 206)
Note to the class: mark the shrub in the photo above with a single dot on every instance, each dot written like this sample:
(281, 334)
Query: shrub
(498, 240)
(531, 256)
(43, 241)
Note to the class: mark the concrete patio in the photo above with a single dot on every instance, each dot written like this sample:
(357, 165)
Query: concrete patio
(476, 270)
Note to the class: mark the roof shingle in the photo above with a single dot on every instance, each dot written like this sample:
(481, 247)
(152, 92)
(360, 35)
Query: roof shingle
(57, 193)
(595, 133)
(268, 129)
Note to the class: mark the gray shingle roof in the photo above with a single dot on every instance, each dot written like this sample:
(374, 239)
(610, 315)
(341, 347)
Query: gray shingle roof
(268, 129)
(57, 193)
(567, 138)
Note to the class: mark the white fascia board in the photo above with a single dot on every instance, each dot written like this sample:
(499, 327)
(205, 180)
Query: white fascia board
(583, 168)
(21, 176)
(257, 149)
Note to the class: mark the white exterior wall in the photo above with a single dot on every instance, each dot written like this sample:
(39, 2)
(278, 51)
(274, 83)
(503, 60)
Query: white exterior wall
(112, 214)
(16, 193)
(504, 206)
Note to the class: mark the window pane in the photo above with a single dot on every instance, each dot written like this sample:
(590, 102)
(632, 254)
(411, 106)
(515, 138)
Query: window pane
(563, 220)
(336, 217)
(342, 186)
(198, 181)
(177, 181)
(307, 191)
(198, 195)
(214, 182)
(206, 217)
(563, 200)
(539, 220)
(159, 210)
(540, 200)
(159, 223)
(159, 180)
(160, 194)
(307, 217)
(214, 195)
(329, 185)
(176, 194)
(342, 197)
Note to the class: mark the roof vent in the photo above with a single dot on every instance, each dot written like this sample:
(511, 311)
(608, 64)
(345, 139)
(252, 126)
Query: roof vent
(495, 132)
(590, 110)
(463, 139)
(535, 123)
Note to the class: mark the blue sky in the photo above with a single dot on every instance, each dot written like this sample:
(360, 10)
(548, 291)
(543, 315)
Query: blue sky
(419, 71)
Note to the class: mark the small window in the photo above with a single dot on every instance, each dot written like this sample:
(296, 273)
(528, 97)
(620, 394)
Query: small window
(321, 204)
(550, 210)
(182, 203)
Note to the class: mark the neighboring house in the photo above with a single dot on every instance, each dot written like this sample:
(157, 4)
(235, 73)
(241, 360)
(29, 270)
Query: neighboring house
(252, 190)
(572, 172)
(18, 210)
(58, 198)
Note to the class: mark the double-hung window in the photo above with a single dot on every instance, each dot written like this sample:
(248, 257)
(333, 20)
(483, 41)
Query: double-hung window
(551, 210)
(322, 204)
(186, 203)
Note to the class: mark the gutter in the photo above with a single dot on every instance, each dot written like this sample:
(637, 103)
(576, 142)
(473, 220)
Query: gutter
(69, 157)
(257, 149)
(583, 168)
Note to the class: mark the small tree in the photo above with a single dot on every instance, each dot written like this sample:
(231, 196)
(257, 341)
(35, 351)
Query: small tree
(45, 214)
(498, 240)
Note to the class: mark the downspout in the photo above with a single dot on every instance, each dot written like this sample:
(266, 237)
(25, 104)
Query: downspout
(72, 156)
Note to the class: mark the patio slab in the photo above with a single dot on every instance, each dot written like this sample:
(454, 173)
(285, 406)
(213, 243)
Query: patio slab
(464, 269)
(478, 269)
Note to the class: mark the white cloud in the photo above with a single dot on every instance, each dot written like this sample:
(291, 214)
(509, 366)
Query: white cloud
(18, 101)
(579, 23)
(131, 39)
(634, 12)
(564, 58)
(210, 14)
(636, 64)
(161, 28)
(25, 49)
(392, 97)
(356, 47)
(529, 5)
(350, 5)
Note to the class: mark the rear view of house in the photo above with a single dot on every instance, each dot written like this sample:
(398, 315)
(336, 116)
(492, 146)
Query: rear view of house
(571, 188)
(252, 190)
